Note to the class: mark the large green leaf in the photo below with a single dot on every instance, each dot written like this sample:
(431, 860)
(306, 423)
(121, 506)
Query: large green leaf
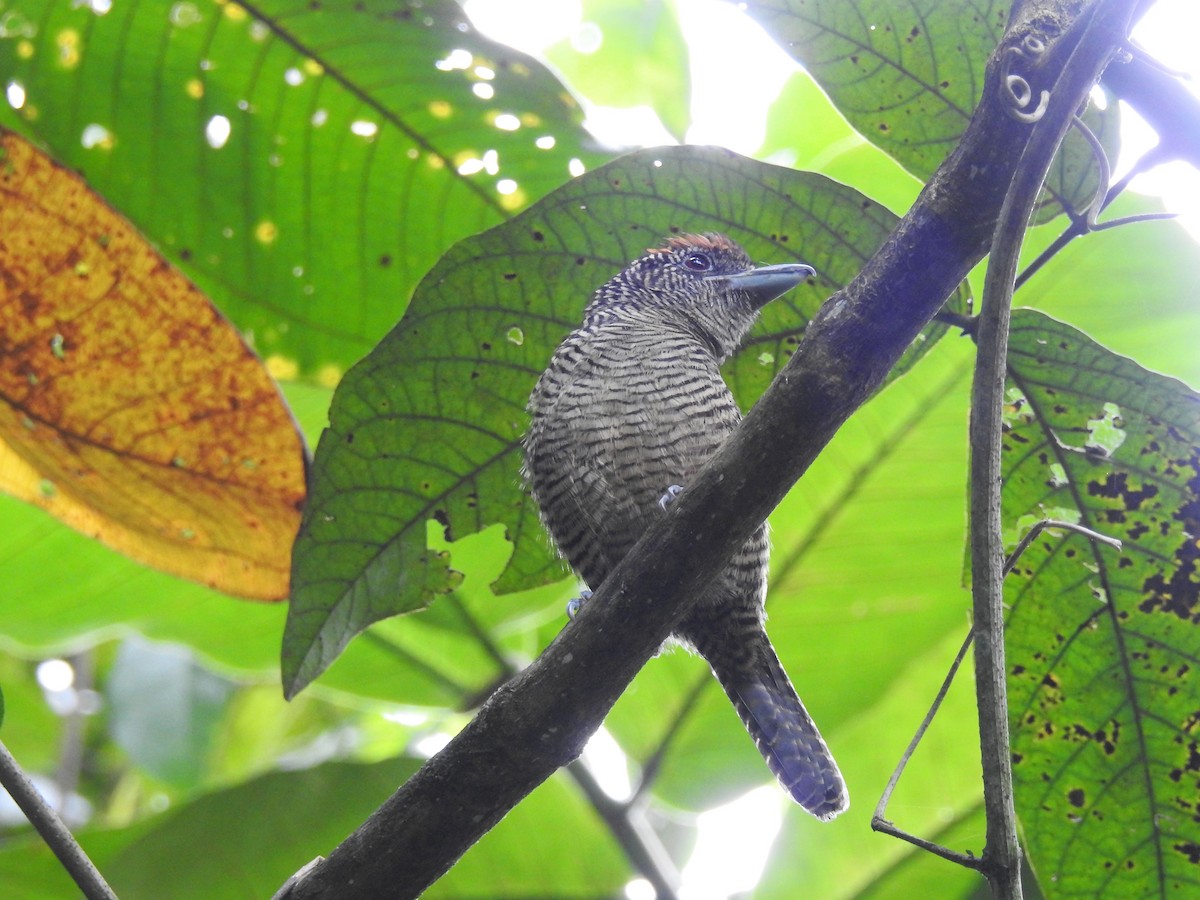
(428, 426)
(164, 710)
(256, 834)
(363, 138)
(908, 76)
(821, 140)
(1103, 644)
(630, 53)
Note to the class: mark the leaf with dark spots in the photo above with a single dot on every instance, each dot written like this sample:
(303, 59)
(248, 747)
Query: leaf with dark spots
(1116, 485)
(1189, 849)
(1176, 592)
(1101, 641)
(354, 560)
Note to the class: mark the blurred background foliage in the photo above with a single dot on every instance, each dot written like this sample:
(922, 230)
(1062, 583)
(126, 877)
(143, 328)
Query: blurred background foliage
(305, 165)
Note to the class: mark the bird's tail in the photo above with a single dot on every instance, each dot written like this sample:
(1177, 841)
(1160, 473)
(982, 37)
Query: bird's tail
(783, 731)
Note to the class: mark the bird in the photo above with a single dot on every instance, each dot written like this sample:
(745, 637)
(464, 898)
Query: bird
(630, 407)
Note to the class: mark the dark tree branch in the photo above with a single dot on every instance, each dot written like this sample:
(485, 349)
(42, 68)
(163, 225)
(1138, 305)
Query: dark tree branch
(1170, 109)
(540, 720)
(1164, 102)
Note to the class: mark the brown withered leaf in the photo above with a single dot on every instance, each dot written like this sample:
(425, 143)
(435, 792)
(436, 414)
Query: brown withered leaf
(129, 408)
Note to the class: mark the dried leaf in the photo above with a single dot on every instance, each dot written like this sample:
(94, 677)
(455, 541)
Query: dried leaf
(129, 408)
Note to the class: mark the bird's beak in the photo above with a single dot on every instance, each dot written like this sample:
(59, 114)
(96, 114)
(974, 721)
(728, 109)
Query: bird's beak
(766, 283)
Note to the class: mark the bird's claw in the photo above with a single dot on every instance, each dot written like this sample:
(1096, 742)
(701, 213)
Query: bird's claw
(576, 603)
(672, 492)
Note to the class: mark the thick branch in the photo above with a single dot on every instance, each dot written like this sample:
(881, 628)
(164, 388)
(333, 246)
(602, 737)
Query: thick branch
(541, 719)
(1165, 102)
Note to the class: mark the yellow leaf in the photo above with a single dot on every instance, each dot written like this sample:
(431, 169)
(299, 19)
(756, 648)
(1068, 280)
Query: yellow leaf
(129, 408)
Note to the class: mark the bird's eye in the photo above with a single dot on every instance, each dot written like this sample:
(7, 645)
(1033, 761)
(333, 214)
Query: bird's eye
(697, 262)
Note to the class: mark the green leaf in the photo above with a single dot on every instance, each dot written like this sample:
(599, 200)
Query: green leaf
(164, 710)
(914, 872)
(255, 835)
(1102, 643)
(339, 185)
(908, 76)
(821, 140)
(428, 426)
(630, 53)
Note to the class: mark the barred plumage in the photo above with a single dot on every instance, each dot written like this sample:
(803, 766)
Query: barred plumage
(632, 403)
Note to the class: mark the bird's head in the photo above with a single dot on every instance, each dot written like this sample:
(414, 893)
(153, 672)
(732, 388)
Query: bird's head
(703, 282)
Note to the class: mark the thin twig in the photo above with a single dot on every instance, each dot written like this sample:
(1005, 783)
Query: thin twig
(1041, 525)
(653, 764)
(626, 823)
(1081, 225)
(878, 822)
(51, 828)
(896, 865)
(963, 859)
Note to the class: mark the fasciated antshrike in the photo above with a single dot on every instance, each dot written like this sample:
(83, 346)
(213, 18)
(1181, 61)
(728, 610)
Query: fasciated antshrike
(631, 406)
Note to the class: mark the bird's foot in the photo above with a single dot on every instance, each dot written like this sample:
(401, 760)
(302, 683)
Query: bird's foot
(576, 603)
(672, 492)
